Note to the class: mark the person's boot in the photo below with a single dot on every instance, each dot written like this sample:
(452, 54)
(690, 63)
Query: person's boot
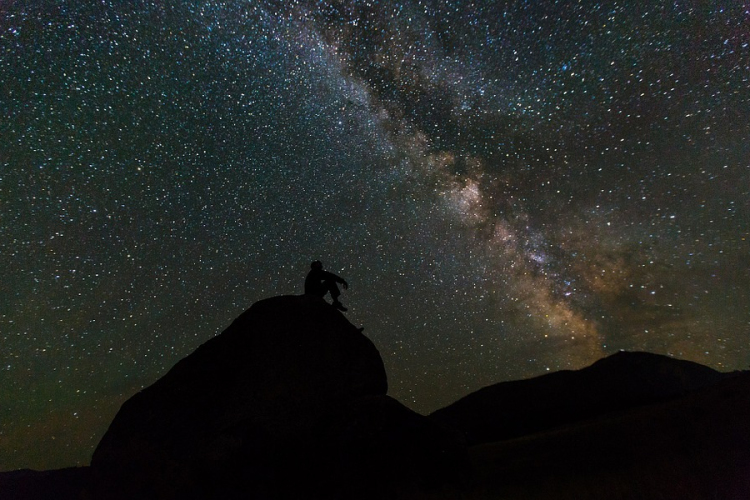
(338, 305)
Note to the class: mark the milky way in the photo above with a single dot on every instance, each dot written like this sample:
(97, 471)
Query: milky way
(510, 188)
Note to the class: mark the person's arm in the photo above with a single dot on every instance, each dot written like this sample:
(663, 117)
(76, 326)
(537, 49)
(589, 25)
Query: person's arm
(337, 279)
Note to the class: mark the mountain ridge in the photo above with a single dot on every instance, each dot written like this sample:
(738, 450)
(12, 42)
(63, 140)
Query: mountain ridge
(622, 380)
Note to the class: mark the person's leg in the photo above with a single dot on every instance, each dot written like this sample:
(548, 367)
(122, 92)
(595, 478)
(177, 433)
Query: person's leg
(333, 288)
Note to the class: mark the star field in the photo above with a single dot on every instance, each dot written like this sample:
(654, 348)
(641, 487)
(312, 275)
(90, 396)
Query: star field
(509, 188)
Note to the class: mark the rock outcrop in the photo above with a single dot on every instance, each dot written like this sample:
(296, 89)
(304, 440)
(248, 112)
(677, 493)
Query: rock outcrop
(288, 402)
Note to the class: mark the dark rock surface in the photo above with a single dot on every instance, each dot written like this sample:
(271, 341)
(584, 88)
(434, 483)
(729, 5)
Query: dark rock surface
(623, 380)
(289, 401)
(694, 447)
(60, 484)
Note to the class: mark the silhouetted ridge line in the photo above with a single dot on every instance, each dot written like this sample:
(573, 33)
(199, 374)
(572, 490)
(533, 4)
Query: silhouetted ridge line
(682, 430)
(623, 380)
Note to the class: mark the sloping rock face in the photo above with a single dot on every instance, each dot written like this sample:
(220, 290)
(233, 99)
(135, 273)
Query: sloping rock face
(693, 447)
(623, 380)
(276, 406)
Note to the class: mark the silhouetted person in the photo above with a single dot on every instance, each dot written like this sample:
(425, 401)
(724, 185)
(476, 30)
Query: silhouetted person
(319, 282)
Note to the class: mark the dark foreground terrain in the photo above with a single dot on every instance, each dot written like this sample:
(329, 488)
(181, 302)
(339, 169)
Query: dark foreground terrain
(693, 447)
(290, 402)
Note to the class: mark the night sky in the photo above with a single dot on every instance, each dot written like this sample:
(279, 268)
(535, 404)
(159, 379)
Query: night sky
(509, 187)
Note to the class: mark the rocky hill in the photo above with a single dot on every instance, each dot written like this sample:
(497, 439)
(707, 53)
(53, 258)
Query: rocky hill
(623, 380)
(290, 402)
(692, 447)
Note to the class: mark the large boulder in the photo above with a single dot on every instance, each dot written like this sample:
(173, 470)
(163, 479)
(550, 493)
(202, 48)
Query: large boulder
(289, 401)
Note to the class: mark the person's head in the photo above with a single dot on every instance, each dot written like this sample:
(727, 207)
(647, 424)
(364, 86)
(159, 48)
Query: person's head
(316, 264)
